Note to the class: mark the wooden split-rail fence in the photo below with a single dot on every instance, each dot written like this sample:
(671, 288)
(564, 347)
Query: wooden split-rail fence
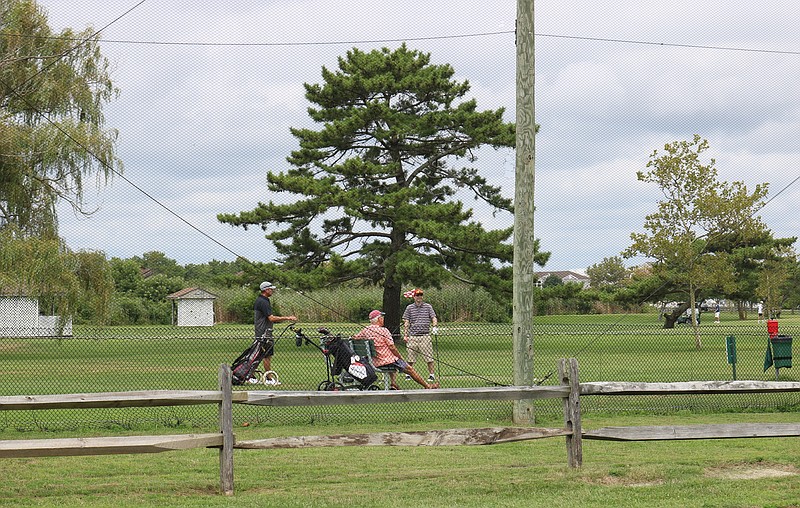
(570, 391)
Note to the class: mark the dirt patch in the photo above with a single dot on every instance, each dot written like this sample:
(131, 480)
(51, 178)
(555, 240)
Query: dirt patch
(726, 472)
(751, 471)
(8, 348)
(625, 482)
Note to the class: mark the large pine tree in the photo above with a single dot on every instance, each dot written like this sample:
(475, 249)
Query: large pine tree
(377, 183)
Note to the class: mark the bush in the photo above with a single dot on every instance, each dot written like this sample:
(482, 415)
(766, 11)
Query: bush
(236, 305)
(127, 310)
(567, 298)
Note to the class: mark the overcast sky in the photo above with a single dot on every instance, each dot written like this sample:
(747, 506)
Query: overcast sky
(201, 124)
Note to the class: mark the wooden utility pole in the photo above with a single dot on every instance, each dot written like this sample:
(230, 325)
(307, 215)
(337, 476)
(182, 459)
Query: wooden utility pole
(523, 210)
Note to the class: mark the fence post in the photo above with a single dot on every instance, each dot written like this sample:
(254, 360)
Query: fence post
(568, 372)
(226, 427)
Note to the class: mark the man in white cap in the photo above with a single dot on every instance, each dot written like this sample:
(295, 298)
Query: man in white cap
(264, 319)
(386, 352)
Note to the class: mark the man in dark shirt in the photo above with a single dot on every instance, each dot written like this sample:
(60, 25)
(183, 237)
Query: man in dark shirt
(264, 319)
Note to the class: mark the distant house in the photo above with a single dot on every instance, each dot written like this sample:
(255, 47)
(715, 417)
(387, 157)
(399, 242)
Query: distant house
(192, 307)
(564, 275)
(20, 317)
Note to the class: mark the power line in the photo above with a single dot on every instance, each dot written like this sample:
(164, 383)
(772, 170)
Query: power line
(440, 37)
(312, 43)
(671, 44)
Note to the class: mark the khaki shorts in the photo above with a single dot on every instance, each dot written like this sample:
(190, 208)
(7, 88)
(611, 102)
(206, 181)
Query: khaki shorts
(419, 345)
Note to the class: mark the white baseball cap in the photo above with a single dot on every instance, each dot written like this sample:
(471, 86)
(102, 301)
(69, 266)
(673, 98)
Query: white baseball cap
(266, 285)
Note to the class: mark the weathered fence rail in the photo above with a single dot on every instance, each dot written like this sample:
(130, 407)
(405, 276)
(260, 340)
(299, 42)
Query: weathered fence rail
(570, 391)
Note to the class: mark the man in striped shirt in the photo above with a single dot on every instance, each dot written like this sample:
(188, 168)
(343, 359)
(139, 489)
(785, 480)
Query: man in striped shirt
(419, 321)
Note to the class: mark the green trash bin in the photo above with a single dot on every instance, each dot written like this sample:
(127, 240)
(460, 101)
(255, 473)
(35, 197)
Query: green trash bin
(782, 351)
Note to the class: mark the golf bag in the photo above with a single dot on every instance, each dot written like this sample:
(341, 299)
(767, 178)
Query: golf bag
(246, 364)
(347, 362)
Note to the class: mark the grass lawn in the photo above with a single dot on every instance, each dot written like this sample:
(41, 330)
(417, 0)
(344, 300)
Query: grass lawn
(711, 473)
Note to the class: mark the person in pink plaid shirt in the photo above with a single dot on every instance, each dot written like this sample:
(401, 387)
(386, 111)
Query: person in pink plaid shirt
(386, 351)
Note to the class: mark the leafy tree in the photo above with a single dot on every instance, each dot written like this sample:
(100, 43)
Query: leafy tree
(157, 287)
(792, 288)
(562, 298)
(697, 226)
(224, 274)
(127, 274)
(52, 136)
(44, 268)
(552, 280)
(774, 281)
(96, 284)
(608, 274)
(372, 193)
(160, 264)
(749, 262)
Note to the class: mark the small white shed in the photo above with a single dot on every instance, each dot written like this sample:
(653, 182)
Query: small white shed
(192, 307)
(20, 317)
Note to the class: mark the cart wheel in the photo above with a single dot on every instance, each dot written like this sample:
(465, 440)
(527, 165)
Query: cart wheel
(324, 386)
(270, 375)
(336, 387)
(373, 388)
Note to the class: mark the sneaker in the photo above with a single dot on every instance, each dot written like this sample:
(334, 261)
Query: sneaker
(431, 377)
(272, 382)
(408, 378)
(253, 381)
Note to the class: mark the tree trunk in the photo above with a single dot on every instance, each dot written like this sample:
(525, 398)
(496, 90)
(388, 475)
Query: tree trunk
(393, 287)
(695, 317)
(742, 310)
(671, 318)
(391, 306)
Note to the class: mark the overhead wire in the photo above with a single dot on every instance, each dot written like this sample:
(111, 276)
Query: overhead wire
(350, 42)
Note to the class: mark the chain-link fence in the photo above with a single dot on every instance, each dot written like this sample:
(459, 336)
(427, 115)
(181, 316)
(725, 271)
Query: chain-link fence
(199, 132)
(466, 354)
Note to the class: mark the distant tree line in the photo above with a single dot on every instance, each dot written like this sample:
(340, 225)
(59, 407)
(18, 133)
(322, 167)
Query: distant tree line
(139, 287)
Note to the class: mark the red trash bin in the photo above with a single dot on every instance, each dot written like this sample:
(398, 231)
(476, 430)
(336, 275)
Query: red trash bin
(772, 328)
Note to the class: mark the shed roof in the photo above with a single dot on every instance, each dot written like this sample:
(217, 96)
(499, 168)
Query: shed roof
(192, 293)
